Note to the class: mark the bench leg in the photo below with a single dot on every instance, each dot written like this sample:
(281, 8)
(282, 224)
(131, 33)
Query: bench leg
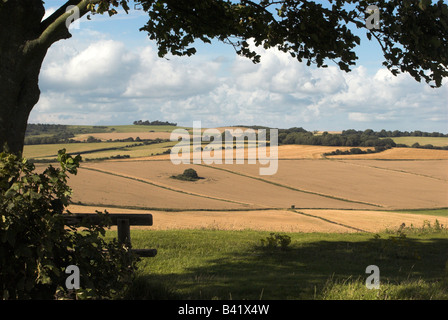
(124, 231)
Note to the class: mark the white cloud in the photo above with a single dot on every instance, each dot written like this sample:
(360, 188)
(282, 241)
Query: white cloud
(97, 80)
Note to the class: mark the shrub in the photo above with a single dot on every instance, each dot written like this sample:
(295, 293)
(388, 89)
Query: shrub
(276, 240)
(35, 245)
(188, 175)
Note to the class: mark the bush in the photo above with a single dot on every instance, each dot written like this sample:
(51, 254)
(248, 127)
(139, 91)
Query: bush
(35, 245)
(188, 175)
(276, 240)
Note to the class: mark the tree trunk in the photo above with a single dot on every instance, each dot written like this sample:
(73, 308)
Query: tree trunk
(24, 41)
(19, 93)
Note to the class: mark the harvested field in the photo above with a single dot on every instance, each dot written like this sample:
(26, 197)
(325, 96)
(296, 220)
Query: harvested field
(375, 221)
(399, 154)
(316, 152)
(124, 135)
(284, 152)
(304, 183)
(226, 185)
(437, 169)
(349, 180)
(91, 187)
(147, 132)
(337, 221)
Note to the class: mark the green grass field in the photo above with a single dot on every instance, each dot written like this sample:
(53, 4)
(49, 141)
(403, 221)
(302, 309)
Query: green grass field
(435, 141)
(95, 150)
(51, 150)
(213, 264)
(443, 212)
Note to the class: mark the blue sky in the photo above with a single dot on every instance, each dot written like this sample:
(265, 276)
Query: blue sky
(109, 73)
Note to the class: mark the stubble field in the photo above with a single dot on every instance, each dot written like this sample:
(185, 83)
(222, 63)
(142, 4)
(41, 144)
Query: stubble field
(307, 194)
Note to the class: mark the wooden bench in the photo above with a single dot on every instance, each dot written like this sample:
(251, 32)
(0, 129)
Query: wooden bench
(123, 221)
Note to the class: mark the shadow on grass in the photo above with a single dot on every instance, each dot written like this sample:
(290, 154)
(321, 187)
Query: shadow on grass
(301, 271)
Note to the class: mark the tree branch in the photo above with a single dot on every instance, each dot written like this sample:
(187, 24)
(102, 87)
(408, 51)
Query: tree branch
(54, 28)
(55, 15)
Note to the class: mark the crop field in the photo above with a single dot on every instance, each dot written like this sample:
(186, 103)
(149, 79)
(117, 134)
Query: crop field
(96, 150)
(341, 213)
(435, 141)
(237, 195)
(354, 182)
(366, 186)
(399, 154)
(218, 184)
(284, 152)
(307, 194)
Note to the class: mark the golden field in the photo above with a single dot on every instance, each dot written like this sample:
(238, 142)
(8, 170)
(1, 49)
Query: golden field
(338, 194)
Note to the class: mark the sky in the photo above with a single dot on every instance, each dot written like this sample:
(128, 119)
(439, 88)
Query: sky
(109, 73)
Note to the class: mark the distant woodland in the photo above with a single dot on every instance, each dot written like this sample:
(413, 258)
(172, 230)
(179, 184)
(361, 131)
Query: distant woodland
(380, 140)
(154, 123)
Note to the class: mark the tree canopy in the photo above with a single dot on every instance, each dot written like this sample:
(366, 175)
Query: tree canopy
(413, 34)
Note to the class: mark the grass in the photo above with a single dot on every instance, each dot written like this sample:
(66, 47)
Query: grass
(435, 141)
(216, 264)
(134, 152)
(51, 150)
(96, 149)
(442, 212)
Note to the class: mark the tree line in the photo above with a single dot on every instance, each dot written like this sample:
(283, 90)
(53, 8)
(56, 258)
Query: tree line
(154, 123)
(380, 140)
(396, 133)
(297, 136)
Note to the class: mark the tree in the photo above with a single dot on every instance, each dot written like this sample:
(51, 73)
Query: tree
(413, 35)
(36, 246)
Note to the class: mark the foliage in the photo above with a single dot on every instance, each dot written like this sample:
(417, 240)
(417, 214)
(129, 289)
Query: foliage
(409, 35)
(57, 133)
(35, 244)
(188, 175)
(276, 240)
(154, 123)
(327, 139)
(223, 264)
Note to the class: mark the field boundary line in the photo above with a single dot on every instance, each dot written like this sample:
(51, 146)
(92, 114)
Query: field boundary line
(329, 221)
(128, 207)
(166, 187)
(293, 188)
